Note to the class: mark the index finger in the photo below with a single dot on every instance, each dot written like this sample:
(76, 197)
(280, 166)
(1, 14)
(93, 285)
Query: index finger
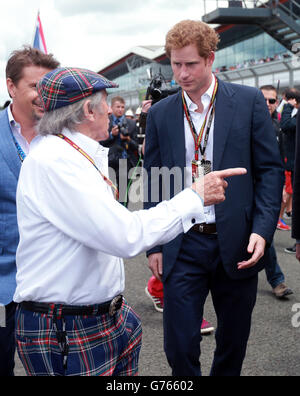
(232, 172)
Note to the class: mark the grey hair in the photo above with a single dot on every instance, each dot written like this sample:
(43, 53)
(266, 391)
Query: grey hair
(69, 117)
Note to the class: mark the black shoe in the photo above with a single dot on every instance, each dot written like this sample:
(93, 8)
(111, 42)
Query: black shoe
(291, 250)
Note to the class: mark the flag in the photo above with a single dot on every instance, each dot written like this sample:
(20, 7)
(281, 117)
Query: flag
(39, 38)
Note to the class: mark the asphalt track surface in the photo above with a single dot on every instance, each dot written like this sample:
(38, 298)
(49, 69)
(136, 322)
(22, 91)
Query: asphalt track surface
(273, 348)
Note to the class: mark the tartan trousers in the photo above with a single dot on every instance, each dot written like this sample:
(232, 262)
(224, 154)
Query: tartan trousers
(98, 345)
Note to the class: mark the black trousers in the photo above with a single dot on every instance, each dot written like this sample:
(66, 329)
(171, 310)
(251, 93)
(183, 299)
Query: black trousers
(7, 343)
(198, 271)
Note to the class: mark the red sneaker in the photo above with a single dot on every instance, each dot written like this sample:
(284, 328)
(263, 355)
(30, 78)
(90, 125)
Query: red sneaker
(281, 225)
(206, 327)
(157, 302)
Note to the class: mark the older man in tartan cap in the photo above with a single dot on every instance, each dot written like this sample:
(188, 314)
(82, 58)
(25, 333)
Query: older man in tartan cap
(72, 318)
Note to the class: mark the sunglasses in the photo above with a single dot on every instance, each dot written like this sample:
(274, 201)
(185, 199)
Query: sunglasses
(271, 101)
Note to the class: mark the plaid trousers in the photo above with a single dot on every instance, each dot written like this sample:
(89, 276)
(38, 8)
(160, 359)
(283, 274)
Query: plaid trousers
(98, 345)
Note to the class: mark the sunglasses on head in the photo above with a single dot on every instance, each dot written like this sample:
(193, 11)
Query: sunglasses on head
(271, 101)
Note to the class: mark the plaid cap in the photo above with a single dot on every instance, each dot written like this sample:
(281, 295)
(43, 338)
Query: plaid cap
(67, 85)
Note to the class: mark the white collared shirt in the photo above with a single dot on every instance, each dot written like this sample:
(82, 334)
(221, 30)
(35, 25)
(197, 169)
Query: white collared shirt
(16, 130)
(198, 119)
(73, 234)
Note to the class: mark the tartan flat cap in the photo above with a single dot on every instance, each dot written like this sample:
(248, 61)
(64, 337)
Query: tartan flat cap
(67, 85)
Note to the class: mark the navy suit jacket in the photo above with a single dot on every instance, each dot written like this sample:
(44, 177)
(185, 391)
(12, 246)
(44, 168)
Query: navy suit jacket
(296, 192)
(10, 166)
(243, 137)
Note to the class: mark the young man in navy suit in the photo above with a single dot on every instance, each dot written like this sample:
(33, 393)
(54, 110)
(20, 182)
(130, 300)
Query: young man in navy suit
(208, 126)
(17, 129)
(296, 192)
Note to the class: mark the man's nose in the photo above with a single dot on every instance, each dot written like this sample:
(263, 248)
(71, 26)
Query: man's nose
(184, 72)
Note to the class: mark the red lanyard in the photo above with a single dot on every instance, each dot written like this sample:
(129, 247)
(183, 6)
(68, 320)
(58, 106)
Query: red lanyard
(206, 124)
(109, 182)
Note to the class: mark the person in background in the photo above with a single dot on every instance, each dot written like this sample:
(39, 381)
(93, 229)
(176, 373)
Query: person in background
(270, 94)
(122, 144)
(288, 126)
(138, 112)
(274, 273)
(129, 114)
(18, 121)
(296, 195)
(286, 209)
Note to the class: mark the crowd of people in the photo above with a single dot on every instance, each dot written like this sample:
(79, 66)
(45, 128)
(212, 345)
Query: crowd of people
(61, 268)
(253, 62)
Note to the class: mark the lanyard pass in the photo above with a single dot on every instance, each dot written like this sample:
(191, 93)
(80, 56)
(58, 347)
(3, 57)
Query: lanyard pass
(200, 169)
(206, 126)
(106, 179)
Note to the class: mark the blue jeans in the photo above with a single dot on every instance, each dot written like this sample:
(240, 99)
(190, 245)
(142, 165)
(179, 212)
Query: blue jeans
(7, 343)
(273, 271)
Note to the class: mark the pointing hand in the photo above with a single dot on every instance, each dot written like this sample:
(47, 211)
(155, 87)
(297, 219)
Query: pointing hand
(212, 186)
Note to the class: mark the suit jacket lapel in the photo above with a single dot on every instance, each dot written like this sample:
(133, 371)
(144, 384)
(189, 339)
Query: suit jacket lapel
(225, 109)
(176, 132)
(7, 146)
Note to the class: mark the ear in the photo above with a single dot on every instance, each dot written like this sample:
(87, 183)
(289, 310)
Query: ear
(88, 111)
(211, 58)
(11, 88)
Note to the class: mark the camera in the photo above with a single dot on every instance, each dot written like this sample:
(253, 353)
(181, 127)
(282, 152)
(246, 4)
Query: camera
(123, 128)
(155, 91)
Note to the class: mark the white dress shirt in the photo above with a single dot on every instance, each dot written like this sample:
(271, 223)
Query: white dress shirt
(73, 233)
(198, 119)
(16, 130)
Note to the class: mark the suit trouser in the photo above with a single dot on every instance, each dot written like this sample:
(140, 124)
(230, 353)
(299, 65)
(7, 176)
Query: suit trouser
(7, 343)
(197, 271)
